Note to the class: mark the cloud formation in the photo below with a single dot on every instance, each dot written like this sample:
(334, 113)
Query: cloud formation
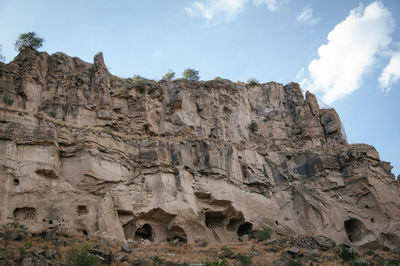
(391, 73)
(306, 16)
(225, 10)
(353, 46)
(272, 5)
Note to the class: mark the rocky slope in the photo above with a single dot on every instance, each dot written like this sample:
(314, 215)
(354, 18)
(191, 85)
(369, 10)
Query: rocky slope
(58, 248)
(212, 161)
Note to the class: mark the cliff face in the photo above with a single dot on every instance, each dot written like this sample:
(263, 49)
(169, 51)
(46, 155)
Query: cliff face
(196, 161)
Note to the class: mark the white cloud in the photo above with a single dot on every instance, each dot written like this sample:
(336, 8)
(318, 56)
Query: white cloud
(306, 17)
(272, 5)
(224, 10)
(352, 48)
(216, 9)
(300, 74)
(391, 73)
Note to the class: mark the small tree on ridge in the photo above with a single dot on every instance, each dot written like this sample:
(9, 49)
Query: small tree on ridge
(29, 39)
(191, 74)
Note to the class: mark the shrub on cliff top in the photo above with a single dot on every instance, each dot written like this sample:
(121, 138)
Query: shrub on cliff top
(169, 75)
(29, 39)
(140, 83)
(191, 74)
(252, 81)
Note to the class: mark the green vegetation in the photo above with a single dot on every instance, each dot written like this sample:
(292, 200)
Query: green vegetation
(157, 260)
(6, 230)
(204, 244)
(52, 114)
(29, 39)
(7, 100)
(244, 260)
(27, 245)
(252, 81)
(191, 74)
(81, 258)
(294, 263)
(253, 127)
(6, 254)
(222, 262)
(346, 254)
(264, 234)
(356, 263)
(227, 251)
(169, 75)
(170, 263)
(140, 83)
(140, 262)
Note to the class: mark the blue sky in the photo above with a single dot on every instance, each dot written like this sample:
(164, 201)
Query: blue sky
(346, 51)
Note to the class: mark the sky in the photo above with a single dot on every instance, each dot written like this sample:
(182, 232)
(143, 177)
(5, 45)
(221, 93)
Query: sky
(347, 52)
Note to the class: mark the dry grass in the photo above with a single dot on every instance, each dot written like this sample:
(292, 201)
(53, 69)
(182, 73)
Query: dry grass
(261, 253)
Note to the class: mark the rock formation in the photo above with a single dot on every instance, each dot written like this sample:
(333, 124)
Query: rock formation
(124, 159)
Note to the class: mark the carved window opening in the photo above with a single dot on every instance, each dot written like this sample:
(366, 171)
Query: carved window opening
(215, 219)
(201, 215)
(16, 181)
(245, 229)
(25, 214)
(145, 232)
(82, 210)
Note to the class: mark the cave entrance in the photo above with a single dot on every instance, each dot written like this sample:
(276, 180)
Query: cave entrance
(145, 232)
(245, 229)
(177, 235)
(355, 230)
(215, 219)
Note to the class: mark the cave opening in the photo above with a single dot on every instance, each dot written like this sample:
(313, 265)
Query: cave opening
(177, 235)
(245, 229)
(355, 229)
(145, 232)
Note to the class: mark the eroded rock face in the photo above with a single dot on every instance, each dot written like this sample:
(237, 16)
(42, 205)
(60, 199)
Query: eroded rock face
(175, 160)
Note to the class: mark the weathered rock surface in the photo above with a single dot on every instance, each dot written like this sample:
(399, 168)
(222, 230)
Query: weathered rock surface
(137, 159)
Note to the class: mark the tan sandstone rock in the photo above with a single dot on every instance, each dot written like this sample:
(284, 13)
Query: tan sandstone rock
(84, 150)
